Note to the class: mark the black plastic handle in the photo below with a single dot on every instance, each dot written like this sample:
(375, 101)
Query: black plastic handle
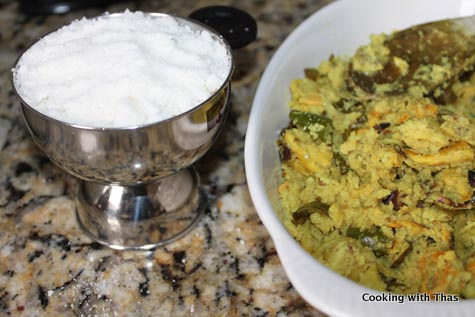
(236, 26)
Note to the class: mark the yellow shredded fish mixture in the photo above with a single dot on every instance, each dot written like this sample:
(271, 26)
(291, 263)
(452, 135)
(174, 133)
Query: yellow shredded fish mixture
(378, 183)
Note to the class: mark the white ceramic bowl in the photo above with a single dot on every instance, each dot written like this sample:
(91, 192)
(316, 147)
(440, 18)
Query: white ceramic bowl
(338, 28)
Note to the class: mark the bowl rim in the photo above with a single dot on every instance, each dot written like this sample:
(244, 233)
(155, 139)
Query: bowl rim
(132, 127)
(287, 247)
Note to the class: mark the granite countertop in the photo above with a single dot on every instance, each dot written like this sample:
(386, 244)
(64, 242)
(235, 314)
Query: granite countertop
(227, 266)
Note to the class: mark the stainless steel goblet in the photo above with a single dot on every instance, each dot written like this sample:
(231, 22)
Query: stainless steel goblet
(137, 189)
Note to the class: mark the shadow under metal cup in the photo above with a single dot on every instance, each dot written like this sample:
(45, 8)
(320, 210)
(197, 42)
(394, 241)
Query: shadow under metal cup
(137, 189)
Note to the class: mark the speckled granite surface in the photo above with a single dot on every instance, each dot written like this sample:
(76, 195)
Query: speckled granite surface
(227, 266)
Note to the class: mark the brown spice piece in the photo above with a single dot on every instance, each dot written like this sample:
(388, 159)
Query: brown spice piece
(380, 127)
(395, 199)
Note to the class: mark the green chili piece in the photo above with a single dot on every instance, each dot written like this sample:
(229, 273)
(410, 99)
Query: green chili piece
(304, 120)
(303, 213)
(355, 233)
(371, 238)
